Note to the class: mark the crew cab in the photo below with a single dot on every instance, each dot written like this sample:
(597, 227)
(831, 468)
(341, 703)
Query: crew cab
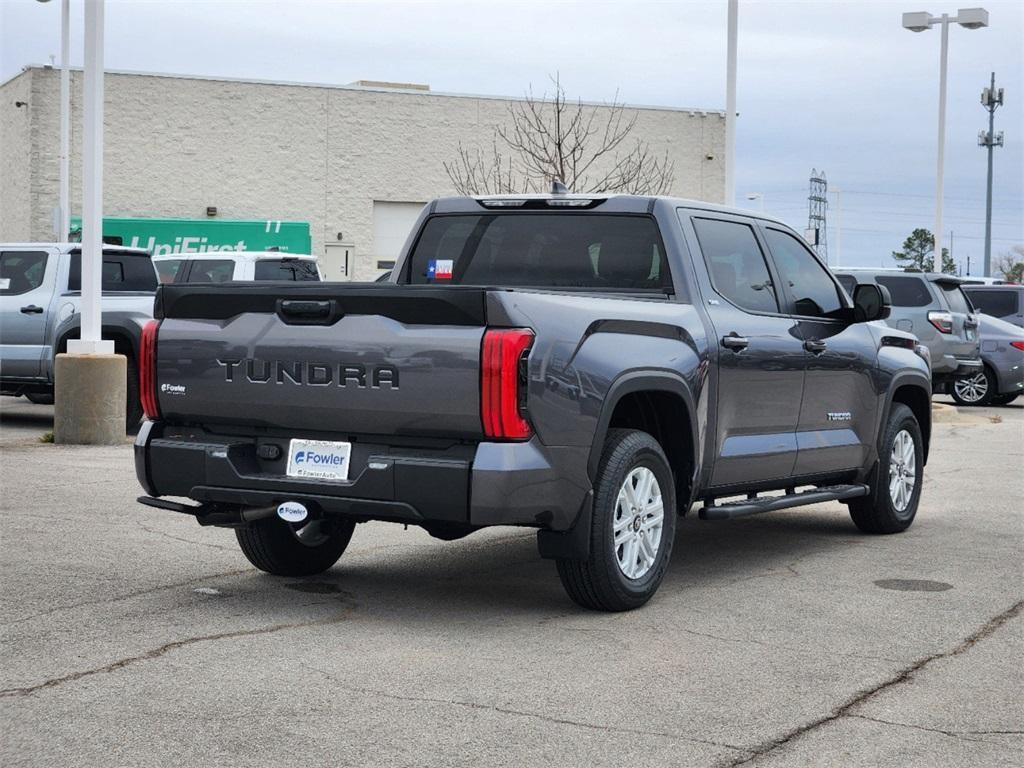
(40, 296)
(591, 367)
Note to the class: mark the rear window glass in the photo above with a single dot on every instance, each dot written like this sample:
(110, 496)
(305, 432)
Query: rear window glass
(211, 271)
(957, 301)
(906, 291)
(541, 250)
(286, 269)
(121, 272)
(995, 303)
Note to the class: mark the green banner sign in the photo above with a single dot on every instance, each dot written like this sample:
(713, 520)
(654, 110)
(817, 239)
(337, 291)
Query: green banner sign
(167, 236)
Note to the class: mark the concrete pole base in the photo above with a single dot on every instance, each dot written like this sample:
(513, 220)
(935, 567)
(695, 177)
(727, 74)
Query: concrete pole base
(90, 399)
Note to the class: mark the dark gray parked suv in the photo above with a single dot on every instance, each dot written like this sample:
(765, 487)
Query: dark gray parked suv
(933, 307)
(587, 366)
(1005, 302)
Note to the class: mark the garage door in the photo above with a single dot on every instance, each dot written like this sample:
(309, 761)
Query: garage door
(392, 223)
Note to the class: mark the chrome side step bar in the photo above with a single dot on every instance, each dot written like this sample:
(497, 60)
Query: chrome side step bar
(754, 506)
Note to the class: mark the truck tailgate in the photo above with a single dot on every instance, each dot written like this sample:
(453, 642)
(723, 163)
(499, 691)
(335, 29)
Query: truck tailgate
(363, 359)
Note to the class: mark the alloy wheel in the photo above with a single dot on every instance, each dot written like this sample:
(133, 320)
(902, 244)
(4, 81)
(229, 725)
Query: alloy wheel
(902, 470)
(638, 523)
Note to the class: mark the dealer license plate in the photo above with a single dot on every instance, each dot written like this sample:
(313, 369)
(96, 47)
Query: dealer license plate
(318, 458)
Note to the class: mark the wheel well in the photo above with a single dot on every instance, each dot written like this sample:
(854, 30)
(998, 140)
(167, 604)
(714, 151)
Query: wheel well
(122, 342)
(665, 417)
(917, 400)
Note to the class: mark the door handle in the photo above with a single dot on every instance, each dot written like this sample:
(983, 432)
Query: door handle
(734, 342)
(815, 347)
(31, 309)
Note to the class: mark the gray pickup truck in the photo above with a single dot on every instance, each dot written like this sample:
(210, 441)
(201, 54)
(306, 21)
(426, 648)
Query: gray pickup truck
(40, 294)
(587, 366)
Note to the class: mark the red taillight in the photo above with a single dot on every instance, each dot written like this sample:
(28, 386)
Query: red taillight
(1017, 345)
(943, 321)
(147, 370)
(500, 384)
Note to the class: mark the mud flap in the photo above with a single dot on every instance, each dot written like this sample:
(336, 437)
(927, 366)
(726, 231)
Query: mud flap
(573, 544)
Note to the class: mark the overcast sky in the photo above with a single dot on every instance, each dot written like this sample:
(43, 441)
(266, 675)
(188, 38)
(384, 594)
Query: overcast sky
(833, 85)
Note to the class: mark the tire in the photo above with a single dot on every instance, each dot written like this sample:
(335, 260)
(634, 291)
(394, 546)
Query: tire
(881, 511)
(40, 398)
(1005, 399)
(600, 582)
(274, 546)
(979, 389)
(133, 405)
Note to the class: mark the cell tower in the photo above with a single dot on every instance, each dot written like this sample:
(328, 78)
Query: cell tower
(817, 210)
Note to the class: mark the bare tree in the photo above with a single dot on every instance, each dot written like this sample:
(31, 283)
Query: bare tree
(547, 138)
(1010, 264)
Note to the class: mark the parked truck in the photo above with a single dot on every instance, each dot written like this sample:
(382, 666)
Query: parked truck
(40, 296)
(591, 367)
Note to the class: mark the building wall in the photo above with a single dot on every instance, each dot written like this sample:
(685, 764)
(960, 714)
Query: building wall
(256, 150)
(15, 162)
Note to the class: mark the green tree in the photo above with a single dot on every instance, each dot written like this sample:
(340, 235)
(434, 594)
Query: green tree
(1010, 264)
(918, 254)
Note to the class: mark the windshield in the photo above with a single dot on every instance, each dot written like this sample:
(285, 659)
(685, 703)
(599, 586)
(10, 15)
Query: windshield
(286, 269)
(541, 250)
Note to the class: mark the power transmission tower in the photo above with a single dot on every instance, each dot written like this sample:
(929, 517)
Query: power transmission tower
(990, 100)
(817, 209)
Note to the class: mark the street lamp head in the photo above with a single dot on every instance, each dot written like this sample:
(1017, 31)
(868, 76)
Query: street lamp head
(918, 21)
(753, 195)
(972, 18)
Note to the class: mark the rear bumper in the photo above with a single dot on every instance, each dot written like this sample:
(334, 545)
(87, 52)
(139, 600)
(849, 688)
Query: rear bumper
(467, 484)
(951, 368)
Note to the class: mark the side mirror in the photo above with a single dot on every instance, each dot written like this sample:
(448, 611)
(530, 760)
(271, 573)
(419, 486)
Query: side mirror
(871, 302)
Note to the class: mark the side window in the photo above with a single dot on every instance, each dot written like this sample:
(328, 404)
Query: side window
(166, 269)
(906, 291)
(21, 271)
(211, 271)
(285, 269)
(995, 303)
(121, 272)
(849, 283)
(814, 293)
(736, 263)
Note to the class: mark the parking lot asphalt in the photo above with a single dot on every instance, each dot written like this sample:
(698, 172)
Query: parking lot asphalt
(132, 636)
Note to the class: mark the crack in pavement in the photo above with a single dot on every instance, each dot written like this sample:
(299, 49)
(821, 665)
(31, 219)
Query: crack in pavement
(961, 735)
(166, 648)
(155, 532)
(523, 713)
(903, 676)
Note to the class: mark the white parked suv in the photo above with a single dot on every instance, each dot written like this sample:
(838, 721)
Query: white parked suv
(231, 266)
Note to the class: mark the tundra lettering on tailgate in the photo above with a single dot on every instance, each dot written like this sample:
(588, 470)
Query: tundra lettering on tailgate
(314, 374)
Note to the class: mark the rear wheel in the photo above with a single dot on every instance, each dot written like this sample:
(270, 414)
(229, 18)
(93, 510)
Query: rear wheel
(40, 398)
(633, 526)
(979, 389)
(294, 549)
(891, 504)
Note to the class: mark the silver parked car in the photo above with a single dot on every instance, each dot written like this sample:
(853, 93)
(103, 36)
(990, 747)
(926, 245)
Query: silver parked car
(1001, 380)
(933, 307)
(1003, 301)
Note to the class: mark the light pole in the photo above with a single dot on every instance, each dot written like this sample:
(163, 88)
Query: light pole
(730, 104)
(990, 100)
(759, 196)
(921, 21)
(839, 224)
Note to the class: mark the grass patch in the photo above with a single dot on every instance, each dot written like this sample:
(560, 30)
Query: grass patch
(46, 437)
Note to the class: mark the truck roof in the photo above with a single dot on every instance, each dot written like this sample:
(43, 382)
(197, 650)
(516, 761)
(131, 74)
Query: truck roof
(237, 255)
(616, 203)
(73, 247)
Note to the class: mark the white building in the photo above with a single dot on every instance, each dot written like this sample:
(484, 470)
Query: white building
(356, 162)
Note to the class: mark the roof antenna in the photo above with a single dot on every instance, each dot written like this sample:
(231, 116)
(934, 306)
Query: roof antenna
(558, 187)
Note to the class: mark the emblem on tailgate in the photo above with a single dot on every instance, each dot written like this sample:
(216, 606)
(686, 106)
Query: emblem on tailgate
(356, 375)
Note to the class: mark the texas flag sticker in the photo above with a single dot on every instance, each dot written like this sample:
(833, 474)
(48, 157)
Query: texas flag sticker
(440, 269)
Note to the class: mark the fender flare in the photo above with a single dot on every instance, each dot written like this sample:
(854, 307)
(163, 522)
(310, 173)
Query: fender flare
(641, 381)
(908, 378)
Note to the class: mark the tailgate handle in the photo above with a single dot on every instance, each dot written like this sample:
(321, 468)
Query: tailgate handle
(308, 312)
